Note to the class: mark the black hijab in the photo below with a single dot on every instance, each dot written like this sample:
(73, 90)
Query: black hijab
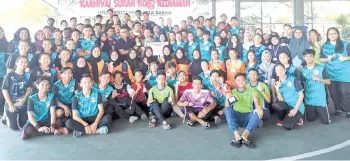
(183, 59)
(93, 62)
(115, 63)
(133, 63)
(196, 67)
(79, 71)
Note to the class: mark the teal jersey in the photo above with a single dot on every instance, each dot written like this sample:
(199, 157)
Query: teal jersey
(87, 106)
(41, 108)
(258, 52)
(221, 51)
(3, 56)
(211, 31)
(218, 94)
(205, 51)
(176, 45)
(205, 80)
(234, 30)
(244, 56)
(84, 45)
(315, 91)
(290, 89)
(337, 70)
(104, 93)
(190, 49)
(152, 81)
(116, 37)
(64, 93)
(172, 82)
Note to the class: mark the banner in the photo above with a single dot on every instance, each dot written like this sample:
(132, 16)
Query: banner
(177, 10)
(157, 47)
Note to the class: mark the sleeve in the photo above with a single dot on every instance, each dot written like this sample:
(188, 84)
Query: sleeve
(30, 106)
(11, 61)
(99, 99)
(184, 97)
(325, 74)
(53, 102)
(75, 105)
(7, 82)
(297, 85)
(32, 78)
(78, 45)
(322, 53)
(54, 90)
(267, 90)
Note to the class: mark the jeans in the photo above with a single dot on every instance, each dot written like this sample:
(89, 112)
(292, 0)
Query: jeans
(235, 119)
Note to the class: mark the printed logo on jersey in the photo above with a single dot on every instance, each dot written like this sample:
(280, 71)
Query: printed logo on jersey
(71, 89)
(289, 84)
(93, 99)
(316, 72)
(47, 104)
(106, 94)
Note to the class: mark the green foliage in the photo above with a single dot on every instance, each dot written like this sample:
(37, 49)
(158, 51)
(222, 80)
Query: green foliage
(344, 22)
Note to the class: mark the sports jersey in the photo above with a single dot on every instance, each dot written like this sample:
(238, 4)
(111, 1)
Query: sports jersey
(234, 30)
(315, 91)
(205, 51)
(258, 51)
(290, 89)
(260, 96)
(199, 101)
(16, 85)
(37, 73)
(87, 106)
(218, 94)
(84, 44)
(244, 103)
(64, 93)
(337, 70)
(190, 49)
(176, 45)
(41, 108)
(221, 51)
(105, 93)
(205, 79)
(152, 81)
(3, 57)
(160, 94)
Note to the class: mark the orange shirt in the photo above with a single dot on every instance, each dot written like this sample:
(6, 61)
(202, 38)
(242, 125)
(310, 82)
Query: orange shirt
(232, 69)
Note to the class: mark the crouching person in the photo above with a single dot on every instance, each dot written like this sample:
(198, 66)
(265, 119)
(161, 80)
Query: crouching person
(42, 113)
(240, 113)
(88, 111)
(198, 102)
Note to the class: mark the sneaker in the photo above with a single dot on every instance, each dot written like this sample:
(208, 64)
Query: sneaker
(217, 120)
(133, 119)
(25, 135)
(236, 143)
(300, 122)
(3, 120)
(338, 113)
(77, 133)
(279, 123)
(102, 130)
(166, 126)
(144, 117)
(348, 115)
(248, 144)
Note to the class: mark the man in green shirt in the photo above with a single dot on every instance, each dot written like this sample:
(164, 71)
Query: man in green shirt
(263, 93)
(239, 111)
(160, 101)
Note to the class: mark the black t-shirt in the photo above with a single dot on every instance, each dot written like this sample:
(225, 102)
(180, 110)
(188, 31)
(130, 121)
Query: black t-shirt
(124, 44)
(16, 85)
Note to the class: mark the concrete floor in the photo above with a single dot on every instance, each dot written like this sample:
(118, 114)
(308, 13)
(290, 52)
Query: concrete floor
(137, 142)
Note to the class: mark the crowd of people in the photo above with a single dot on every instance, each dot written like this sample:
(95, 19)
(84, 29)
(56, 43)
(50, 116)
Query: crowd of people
(79, 78)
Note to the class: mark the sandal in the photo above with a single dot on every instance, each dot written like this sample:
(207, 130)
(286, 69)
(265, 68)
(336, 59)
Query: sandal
(236, 143)
(166, 126)
(248, 143)
(152, 123)
(206, 125)
(190, 123)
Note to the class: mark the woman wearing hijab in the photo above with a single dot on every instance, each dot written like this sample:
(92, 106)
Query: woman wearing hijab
(195, 67)
(182, 63)
(21, 34)
(81, 67)
(166, 57)
(298, 43)
(97, 63)
(276, 48)
(105, 47)
(266, 68)
(38, 44)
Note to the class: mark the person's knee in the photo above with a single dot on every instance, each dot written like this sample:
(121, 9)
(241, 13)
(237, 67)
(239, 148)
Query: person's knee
(59, 113)
(69, 123)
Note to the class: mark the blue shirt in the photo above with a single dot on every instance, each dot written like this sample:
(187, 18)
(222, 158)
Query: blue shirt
(181, 44)
(84, 44)
(87, 106)
(218, 95)
(315, 91)
(222, 56)
(234, 30)
(64, 93)
(190, 49)
(41, 108)
(290, 89)
(205, 51)
(104, 93)
(258, 52)
(337, 70)
(205, 80)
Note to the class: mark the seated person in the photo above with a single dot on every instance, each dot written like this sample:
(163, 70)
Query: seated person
(106, 91)
(151, 75)
(42, 113)
(122, 103)
(263, 92)
(198, 103)
(289, 107)
(239, 111)
(88, 111)
(160, 100)
(140, 92)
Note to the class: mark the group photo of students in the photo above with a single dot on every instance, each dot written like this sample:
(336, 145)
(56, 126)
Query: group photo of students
(78, 78)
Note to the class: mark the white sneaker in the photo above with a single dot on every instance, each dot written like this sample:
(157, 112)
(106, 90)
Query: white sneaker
(133, 119)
